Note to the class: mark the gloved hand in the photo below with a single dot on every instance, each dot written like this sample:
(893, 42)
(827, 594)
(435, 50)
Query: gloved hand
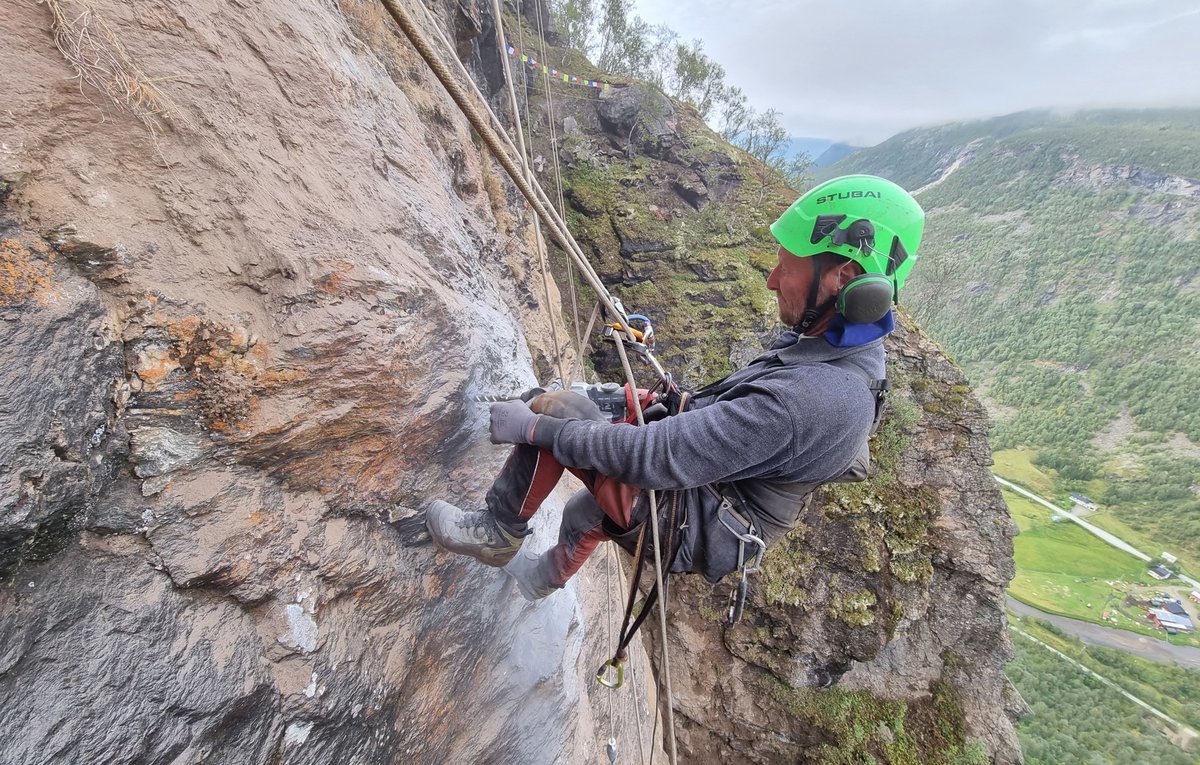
(512, 422)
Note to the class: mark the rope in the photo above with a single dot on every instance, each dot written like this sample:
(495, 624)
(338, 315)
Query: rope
(558, 186)
(658, 569)
(537, 199)
(537, 229)
(533, 193)
(575, 313)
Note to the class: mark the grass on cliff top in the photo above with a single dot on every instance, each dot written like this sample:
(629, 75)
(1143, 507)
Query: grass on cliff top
(1063, 569)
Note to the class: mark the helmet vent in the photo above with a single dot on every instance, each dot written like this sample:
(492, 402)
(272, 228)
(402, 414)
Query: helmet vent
(825, 225)
(897, 256)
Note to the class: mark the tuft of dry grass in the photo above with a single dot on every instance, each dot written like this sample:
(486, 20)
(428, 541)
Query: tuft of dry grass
(96, 54)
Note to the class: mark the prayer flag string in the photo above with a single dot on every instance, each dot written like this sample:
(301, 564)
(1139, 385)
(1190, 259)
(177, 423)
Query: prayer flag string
(534, 64)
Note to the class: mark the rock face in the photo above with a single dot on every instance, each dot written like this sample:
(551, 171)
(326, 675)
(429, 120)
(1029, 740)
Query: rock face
(241, 321)
(254, 269)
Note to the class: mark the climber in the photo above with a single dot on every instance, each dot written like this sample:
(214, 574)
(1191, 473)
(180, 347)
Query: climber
(748, 450)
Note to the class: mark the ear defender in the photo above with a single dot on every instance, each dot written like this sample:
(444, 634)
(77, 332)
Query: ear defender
(865, 299)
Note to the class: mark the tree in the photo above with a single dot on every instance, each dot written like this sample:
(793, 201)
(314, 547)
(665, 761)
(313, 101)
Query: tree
(625, 46)
(764, 137)
(576, 20)
(735, 112)
(662, 43)
(696, 78)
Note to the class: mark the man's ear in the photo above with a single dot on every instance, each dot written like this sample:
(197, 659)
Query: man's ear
(840, 275)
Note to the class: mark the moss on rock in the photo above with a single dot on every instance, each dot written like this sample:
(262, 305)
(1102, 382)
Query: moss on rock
(857, 728)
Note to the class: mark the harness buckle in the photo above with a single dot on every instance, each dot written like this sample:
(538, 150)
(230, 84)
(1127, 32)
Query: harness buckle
(602, 673)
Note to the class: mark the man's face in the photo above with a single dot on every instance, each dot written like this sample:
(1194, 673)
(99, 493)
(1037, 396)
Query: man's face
(790, 280)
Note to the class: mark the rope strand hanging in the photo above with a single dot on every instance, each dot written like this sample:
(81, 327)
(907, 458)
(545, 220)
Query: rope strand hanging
(537, 199)
(537, 230)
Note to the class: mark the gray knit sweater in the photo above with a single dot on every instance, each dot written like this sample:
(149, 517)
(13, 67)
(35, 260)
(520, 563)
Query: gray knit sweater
(803, 422)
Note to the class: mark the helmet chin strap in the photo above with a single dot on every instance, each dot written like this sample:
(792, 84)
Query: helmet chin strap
(814, 311)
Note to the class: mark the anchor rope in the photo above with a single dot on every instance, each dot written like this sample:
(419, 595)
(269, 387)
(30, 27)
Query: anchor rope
(537, 199)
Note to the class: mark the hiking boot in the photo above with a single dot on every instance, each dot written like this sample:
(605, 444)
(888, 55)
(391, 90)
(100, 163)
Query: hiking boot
(532, 574)
(470, 533)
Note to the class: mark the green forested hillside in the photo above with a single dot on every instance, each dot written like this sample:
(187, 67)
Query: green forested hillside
(1062, 270)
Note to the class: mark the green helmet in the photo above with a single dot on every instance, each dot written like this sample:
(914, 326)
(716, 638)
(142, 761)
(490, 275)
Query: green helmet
(867, 219)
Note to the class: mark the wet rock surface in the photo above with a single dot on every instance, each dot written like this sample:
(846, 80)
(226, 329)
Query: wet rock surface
(235, 348)
(60, 368)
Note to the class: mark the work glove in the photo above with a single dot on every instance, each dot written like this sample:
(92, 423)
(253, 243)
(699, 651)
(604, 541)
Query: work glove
(512, 422)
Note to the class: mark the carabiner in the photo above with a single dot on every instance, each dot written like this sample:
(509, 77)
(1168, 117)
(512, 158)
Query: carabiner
(615, 664)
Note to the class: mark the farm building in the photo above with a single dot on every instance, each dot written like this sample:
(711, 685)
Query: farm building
(1166, 620)
(1161, 572)
(1084, 502)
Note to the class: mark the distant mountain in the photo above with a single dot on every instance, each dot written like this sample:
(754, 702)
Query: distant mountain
(1060, 268)
(834, 153)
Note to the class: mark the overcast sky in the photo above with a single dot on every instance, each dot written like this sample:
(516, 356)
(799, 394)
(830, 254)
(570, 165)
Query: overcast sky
(863, 70)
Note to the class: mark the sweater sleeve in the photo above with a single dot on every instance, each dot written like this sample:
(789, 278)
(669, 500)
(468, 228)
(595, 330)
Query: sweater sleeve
(751, 430)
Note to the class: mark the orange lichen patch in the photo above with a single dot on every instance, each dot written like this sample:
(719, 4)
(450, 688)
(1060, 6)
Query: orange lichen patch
(154, 364)
(275, 377)
(334, 282)
(24, 275)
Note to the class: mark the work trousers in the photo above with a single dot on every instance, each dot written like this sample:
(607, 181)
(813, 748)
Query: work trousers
(605, 509)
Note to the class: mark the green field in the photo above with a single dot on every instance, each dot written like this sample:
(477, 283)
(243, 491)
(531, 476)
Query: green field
(1017, 466)
(1063, 569)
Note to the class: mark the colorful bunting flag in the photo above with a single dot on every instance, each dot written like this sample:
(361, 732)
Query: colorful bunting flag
(572, 78)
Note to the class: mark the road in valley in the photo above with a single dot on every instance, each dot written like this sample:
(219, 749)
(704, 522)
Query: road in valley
(1112, 637)
(1113, 540)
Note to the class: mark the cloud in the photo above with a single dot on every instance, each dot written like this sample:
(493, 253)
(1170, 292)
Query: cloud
(866, 70)
(1111, 38)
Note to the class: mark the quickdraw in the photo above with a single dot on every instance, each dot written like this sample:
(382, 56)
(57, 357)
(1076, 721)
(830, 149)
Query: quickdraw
(747, 566)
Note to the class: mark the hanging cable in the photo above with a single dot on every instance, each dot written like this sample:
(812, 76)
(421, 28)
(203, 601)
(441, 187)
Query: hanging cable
(532, 192)
(527, 165)
(558, 186)
(658, 569)
(552, 121)
(537, 199)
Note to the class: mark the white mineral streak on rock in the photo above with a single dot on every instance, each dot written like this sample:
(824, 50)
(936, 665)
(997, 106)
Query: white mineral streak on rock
(302, 630)
(296, 733)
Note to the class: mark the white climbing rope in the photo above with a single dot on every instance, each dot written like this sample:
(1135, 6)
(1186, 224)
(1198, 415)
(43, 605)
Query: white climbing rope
(503, 149)
(536, 197)
(527, 166)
